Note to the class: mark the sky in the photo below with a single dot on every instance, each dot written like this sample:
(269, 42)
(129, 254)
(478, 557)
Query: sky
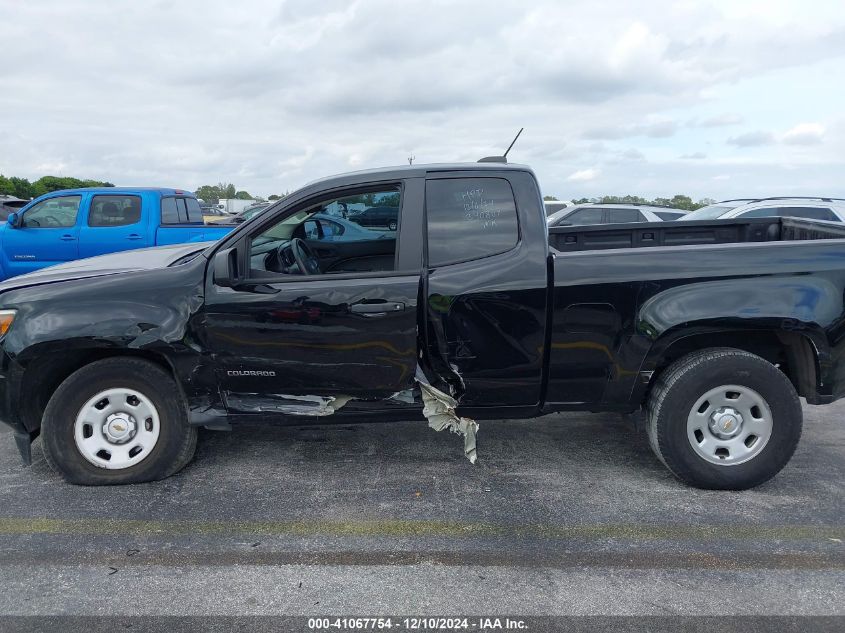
(708, 98)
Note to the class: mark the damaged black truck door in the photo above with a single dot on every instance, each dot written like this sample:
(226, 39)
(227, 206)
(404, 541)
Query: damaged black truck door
(344, 335)
(486, 290)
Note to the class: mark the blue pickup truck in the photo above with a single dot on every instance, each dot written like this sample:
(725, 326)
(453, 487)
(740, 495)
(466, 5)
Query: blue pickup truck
(74, 223)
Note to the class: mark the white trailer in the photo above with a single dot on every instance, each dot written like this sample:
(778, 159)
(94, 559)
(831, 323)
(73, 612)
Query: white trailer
(234, 205)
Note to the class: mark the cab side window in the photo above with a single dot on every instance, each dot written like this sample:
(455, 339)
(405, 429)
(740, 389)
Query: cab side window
(114, 211)
(327, 236)
(585, 216)
(624, 216)
(52, 213)
(469, 218)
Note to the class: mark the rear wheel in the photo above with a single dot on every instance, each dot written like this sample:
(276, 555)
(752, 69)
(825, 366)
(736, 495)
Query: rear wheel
(392, 225)
(116, 421)
(724, 419)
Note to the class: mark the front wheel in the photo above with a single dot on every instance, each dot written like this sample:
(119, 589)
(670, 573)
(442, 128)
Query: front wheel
(724, 419)
(117, 421)
(392, 225)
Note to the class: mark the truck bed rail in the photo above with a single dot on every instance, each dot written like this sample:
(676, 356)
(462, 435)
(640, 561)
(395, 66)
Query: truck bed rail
(567, 239)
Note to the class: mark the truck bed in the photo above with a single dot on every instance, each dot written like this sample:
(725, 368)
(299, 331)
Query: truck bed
(567, 239)
(616, 295)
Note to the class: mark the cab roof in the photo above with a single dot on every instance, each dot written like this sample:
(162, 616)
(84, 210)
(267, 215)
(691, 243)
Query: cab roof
(165, 191)
(399, 172)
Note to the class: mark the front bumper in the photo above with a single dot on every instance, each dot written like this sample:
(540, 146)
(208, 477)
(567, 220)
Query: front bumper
(11, 375)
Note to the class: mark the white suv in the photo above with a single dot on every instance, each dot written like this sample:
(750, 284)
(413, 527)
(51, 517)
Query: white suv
(831, 209)
(613, 213)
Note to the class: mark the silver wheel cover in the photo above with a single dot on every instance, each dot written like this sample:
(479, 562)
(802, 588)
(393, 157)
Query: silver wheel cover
(117, 428)
(729, 425)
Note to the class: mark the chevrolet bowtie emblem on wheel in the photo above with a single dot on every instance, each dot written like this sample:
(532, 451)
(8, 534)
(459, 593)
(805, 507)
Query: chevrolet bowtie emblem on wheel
(119, 428)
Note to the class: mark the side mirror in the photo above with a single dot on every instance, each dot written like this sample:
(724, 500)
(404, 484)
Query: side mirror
(226, 268)
(14, 220)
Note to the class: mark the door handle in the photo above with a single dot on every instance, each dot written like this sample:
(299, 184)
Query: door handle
(67, 238)
(133, 236)
(377, 308)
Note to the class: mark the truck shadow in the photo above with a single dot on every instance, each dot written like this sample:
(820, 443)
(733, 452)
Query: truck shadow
(558, 442)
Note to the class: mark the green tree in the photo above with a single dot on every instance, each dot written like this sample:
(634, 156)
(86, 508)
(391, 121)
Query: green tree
(678, 201)
(243, 195)
(549, 198)
(682, 202)
(21, 187)
(389, 200)
(227, 190)
(209, 194)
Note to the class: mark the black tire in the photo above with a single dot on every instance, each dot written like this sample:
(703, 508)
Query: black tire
(679, 388)
(176, 442)
(392, 225)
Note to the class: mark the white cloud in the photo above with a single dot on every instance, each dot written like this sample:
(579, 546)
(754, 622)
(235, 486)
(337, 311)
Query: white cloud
(804, 134)
(273, 94)
(752, 139)
(720, 120)
(653, 129)
(584, 175)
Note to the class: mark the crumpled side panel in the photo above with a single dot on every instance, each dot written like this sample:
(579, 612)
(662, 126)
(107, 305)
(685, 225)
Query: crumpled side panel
(439, 410)
(287, 403)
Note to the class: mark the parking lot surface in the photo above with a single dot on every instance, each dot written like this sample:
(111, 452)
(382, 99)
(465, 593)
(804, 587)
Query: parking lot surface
(565, 514)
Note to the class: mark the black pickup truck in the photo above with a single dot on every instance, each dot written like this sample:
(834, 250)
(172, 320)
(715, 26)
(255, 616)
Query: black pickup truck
(472, 309)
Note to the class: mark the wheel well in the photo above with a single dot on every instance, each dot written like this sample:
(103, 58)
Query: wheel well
(43, 376)
(791, 352)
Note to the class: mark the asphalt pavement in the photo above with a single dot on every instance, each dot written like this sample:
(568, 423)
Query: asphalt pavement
(565, 514)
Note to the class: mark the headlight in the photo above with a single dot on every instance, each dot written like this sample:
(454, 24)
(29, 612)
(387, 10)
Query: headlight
(6, 318)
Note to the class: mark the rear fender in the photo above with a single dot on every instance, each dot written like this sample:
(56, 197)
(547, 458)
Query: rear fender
(785, 307)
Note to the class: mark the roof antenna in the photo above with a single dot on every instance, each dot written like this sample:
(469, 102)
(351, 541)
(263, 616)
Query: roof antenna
(504, 157)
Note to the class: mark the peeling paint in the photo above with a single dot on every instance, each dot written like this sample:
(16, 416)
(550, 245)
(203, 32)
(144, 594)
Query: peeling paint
(287, 404)
(439, 410)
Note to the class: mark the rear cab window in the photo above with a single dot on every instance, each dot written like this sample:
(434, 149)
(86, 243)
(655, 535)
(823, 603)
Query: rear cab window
(469, 218)
(180, 210)
(194, 210)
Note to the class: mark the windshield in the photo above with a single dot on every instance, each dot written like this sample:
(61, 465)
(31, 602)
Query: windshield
(713, 212)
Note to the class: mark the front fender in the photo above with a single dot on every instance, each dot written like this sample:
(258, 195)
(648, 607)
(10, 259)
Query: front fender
(151, 312)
